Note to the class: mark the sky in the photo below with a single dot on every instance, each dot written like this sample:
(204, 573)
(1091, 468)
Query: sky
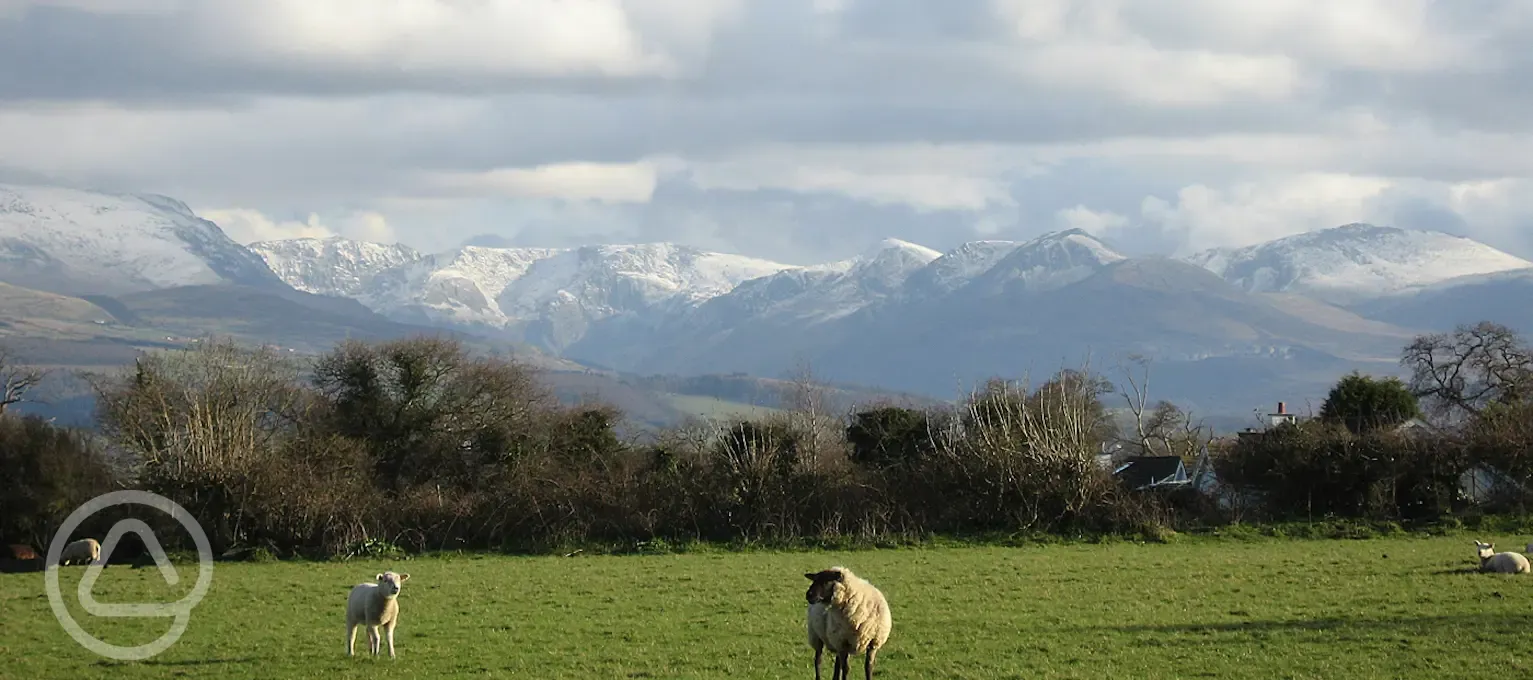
(797, 130)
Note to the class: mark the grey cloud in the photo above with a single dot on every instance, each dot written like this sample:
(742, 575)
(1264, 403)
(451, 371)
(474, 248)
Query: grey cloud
(811, 228)
(323, 137)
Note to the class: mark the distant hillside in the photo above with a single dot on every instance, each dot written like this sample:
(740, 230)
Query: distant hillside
(69, 334)
(1504, 297)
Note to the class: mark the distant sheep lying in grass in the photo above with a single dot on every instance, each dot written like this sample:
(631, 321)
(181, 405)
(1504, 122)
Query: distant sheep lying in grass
(856, 619)
(85, 550)
(374, 605)
(1500, 563)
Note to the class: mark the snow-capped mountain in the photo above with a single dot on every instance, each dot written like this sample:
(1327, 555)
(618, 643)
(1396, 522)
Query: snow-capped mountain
(1355, 262)
(81, 242)
(959, 266)
(774, 317)
(767, 318)
(818, 293)
(997, 308)
(833, 290)
(332, 266)
(548, 295)
(897, 315)
(1049, 262)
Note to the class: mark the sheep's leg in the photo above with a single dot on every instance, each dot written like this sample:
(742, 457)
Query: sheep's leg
(351, 638)
(867, 666)
(843, 668)
(372, 639)
(818, 650)
(389, 629)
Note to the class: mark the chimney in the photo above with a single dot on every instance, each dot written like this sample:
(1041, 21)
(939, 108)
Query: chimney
(1282, 408)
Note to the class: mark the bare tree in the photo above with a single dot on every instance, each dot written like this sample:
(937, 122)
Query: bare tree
(210, 412)
(805, 400)
(803, 393)
(1027, 453)
(1161, 428)
(1463, 372)
(15, 379)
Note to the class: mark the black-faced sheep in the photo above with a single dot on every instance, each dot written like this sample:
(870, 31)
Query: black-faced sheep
(814, 624)
(856, 618)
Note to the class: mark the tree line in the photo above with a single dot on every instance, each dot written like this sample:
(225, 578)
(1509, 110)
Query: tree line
(419, 445)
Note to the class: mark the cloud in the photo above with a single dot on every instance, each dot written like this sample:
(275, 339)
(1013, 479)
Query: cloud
(13, 9)
(249, 226)
(607, 182)
(438, 37)
(1091, 221)
(1251, 212)
(922, 177)
(801, 130)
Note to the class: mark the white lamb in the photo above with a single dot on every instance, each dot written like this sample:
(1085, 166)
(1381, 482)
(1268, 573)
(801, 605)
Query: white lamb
(374, 605)
(856, 618)
(1500, 563)
(85, 550)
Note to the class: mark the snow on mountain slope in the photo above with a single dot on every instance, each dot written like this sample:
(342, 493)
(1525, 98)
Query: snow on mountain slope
(776, 313)
(554, 292)
(81, 242)
(1355, 262)
(827, 291)
(332, 266)
(1049, 262)
(611, 279)
(456, 287)
(760, 316)
(959, 266)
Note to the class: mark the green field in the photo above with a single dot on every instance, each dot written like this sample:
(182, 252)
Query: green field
(711, 408)
(1382, 608)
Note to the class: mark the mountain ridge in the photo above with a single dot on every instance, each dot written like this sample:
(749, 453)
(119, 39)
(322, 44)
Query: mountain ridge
(962, 305)
(1283, 315)
(1355, 262)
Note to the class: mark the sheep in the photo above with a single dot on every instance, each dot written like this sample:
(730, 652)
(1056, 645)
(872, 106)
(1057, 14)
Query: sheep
(857, 618)
(374, 605)
(84, 550)
(814, 622)
(1500, 563)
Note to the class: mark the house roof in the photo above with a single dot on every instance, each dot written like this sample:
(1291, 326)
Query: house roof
(1142, 471)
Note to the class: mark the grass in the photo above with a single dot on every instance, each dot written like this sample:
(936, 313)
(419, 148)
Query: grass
(1402, 607)
(714, 408)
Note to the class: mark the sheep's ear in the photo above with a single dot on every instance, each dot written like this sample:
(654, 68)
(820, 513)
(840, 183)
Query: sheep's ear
(404, 577)
(380, 577)
(811, 576)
